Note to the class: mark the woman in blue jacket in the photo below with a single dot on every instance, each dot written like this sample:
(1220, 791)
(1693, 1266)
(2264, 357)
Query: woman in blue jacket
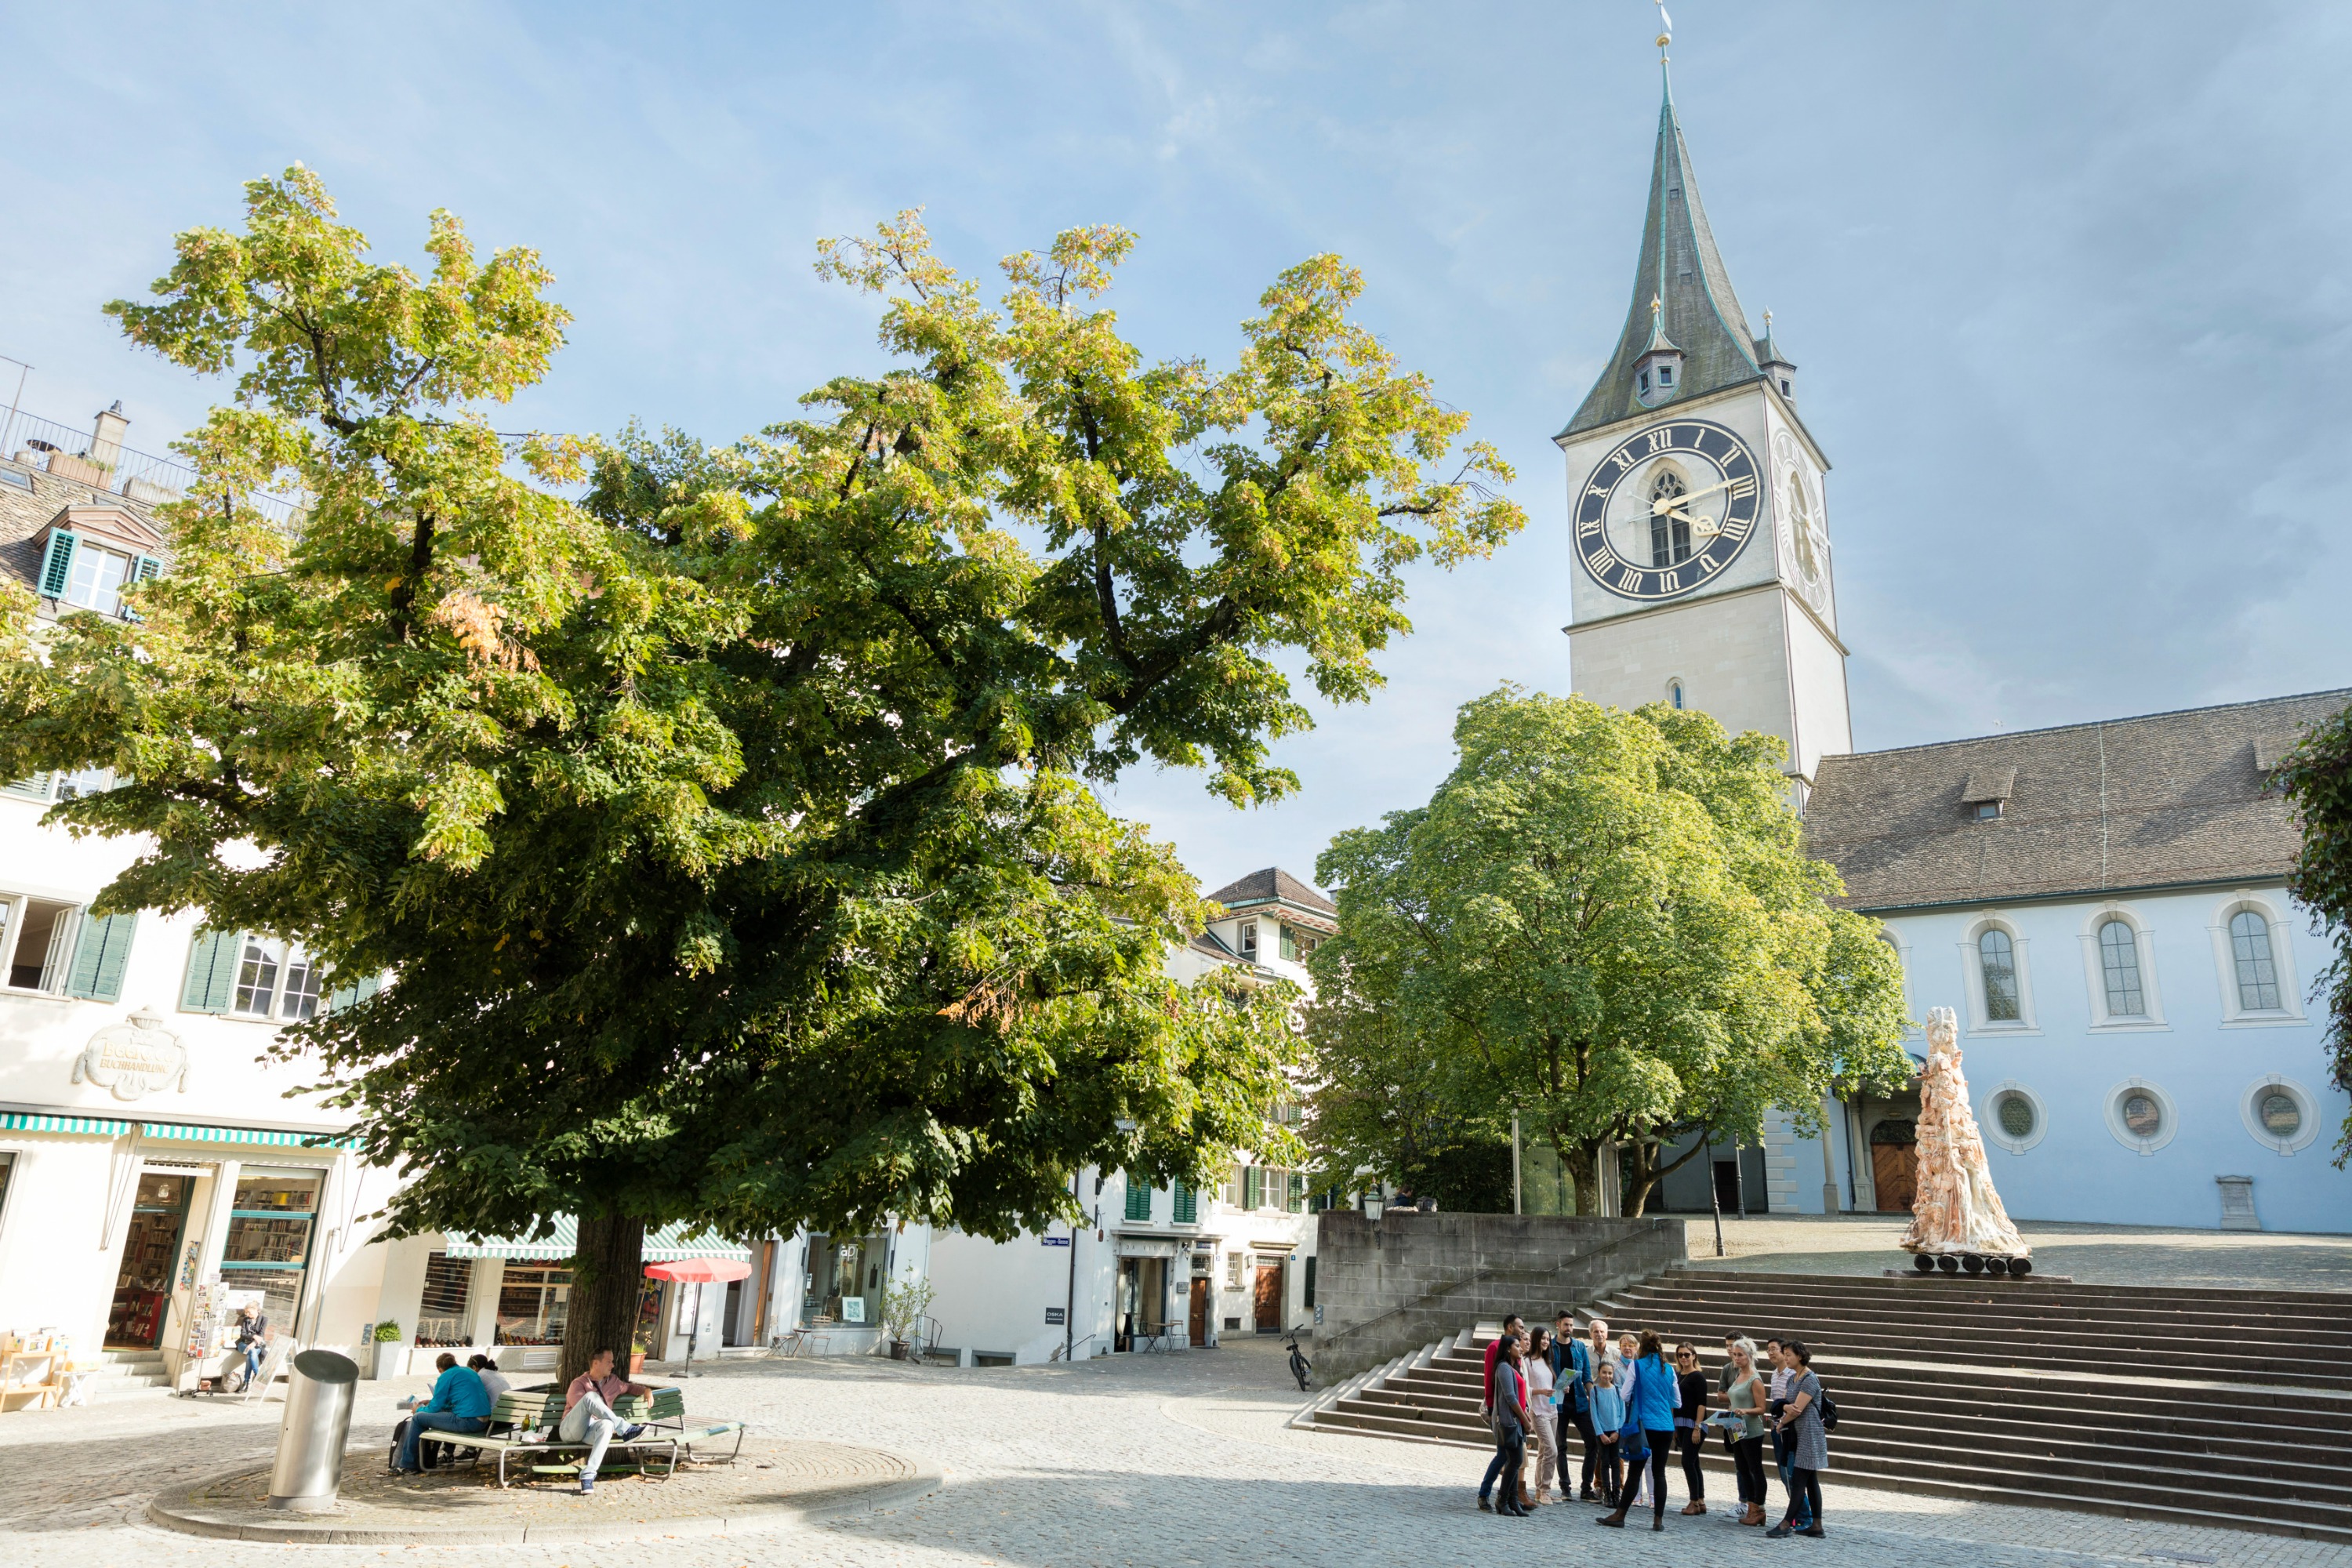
(1652, 1412)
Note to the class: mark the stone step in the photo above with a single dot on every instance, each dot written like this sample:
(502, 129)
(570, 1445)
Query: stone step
(1918, 1308)
(2322, 1303)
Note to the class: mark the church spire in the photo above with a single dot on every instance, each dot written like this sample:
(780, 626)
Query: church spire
(1681, 270)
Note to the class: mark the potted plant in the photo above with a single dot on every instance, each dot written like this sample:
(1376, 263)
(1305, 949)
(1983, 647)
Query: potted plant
(903, 1309)
(388, 1350)
(636, 1357)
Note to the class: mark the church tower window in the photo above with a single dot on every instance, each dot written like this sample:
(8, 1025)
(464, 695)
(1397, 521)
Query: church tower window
(1670, 535)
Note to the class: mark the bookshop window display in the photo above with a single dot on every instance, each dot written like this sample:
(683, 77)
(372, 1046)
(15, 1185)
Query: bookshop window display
(269, 1232)
(142, 1285)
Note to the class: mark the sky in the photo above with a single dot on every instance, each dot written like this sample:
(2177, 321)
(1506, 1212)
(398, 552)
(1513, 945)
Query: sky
(2066, 285)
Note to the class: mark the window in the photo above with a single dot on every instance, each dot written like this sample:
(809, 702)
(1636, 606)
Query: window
(253, 976)
(2280, 1116)
(37, 935)
(1665, 375)
(1674, 694)
(1290, 944)
(1997, 958)
(2250, 952)
(532, 1305)
(97, 579)
(2279, 1113)
(1139, 1199)
(268, 1244)
(1670, 530)
(257, 977)
(1249, 939)
(1987, 810)
(1785, 388)
(2015, 1114)
(2119, 968)
(1643, 382)
(442, 1315)
(2141, 1115)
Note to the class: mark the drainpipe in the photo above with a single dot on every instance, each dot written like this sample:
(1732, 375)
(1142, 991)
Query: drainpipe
(1070, 1300)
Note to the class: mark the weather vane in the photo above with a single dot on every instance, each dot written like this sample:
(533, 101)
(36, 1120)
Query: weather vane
(1665, 29)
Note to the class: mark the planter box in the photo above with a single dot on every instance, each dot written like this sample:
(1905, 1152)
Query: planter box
(389, 1359)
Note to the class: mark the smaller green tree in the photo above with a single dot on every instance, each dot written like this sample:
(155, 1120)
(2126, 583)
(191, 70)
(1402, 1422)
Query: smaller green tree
(1603, 922)
(2317, 779)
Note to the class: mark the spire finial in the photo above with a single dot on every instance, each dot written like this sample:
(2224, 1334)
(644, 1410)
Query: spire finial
(1665, 31)
(1768, 320)
(1658, 304)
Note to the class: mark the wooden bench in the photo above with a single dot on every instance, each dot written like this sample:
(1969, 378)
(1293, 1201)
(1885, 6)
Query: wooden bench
(664, 1411)
(527, 1422)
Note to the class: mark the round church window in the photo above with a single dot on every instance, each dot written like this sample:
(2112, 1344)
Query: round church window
(2015, 1113)
(2142, 1115)
(2282, 1117)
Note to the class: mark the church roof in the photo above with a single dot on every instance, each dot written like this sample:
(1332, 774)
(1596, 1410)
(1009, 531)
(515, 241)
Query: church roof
(1681, 267)
(2162, 800)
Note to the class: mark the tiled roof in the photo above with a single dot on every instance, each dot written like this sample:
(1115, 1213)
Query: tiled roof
(1273, 885)
(23, 513)
(2162, 800)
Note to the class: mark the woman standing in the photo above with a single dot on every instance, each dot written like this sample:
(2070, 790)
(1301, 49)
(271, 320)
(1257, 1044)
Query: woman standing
(1690, 1411)
(1808, 1441)
(1651, 1410)
(1745, 1399)
(1509, 1394)
(1543, 1405)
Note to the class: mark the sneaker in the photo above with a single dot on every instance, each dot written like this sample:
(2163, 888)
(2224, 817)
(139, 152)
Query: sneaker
(587, 1484)
(628, 1434)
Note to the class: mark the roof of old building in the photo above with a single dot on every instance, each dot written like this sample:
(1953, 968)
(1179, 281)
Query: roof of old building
(27, 509)
(1681, 267)
(1277, 887)
(2162, 800)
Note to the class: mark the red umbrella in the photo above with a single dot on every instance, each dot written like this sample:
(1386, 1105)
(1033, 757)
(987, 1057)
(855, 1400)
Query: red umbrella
(698, 1272)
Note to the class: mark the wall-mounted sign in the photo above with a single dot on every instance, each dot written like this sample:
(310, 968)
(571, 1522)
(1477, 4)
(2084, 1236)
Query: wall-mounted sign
(135, 1059)
(1055, 1240)
(1055, 1316)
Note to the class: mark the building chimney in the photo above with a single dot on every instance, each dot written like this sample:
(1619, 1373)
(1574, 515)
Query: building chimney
(106, 437)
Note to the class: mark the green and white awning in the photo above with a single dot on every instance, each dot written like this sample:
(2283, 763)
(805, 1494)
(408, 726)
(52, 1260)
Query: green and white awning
(35, 1121)
(668, 1245)
(191, 1133)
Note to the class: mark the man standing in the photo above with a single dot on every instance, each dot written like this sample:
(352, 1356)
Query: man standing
(459, 1403)
(1572, 1376)
(588, 1412)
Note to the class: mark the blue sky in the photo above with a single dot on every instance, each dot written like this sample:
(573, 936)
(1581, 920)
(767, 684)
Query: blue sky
(2066, 284)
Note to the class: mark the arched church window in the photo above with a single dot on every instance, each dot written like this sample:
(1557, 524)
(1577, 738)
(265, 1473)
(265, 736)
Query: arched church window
(1997, 958)
(1675, 693)
(2120, 965)
(2250, 949)
(1670, 536)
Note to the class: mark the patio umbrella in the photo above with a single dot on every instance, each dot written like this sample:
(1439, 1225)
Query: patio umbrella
(698, 1272)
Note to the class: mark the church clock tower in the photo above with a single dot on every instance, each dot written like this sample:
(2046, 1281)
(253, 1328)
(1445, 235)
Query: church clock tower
(1696, 494)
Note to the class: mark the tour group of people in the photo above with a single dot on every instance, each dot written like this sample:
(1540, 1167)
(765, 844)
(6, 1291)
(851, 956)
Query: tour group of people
(1631, 1406)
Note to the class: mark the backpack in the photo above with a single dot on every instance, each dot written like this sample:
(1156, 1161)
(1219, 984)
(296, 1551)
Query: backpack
(1829, 1411)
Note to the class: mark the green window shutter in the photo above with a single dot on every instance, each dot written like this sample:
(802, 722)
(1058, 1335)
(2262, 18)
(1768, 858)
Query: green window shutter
(212, 971)
(100, 955)
(145, 569)
(1139, 1199)
(1310, 1302)
(1188, 1205)
(1295, 1195)
(34, 788)
(56, 563)
(1252, 1186)
(354, 994)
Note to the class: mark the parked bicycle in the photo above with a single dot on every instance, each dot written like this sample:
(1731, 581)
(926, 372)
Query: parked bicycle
(1300, 1367)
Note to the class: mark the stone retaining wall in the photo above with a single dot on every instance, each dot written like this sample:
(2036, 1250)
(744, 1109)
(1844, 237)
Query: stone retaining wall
(1386, 1287)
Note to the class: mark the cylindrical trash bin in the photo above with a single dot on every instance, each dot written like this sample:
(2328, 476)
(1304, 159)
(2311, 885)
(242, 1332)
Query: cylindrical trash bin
(319, 1395)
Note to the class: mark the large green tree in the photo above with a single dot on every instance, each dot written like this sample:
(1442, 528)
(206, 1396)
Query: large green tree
(2317, 779)
(1603, 922)
(726, 828)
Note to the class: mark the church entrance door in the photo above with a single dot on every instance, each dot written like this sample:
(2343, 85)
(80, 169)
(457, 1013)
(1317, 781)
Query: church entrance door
(1894, 1165)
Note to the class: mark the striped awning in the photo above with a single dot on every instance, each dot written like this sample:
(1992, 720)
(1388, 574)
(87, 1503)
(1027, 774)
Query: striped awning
(668, 1245)
(188, 1132)
(33, 1121)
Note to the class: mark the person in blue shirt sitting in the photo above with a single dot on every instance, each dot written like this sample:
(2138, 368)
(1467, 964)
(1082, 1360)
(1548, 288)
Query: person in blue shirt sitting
(459, 1403)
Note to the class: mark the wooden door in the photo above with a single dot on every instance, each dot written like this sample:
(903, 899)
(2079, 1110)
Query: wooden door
(1894, 1172)
(1197, 1317)
(1269, 1298)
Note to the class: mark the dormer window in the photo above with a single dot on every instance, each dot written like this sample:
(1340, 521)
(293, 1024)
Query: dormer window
(1249, 939)
(1642, 384)
(1987, 810)
(1985, 795)
(90, 555)
(1665, 375)
(1787, 387)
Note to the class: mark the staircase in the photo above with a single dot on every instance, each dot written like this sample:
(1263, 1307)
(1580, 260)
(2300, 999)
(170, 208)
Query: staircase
(2230, 1408)
(122, 1369)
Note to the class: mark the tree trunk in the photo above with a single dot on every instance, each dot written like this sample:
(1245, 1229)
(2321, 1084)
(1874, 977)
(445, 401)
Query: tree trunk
(607, 1278)
(1583, 1163)
(1640, 1179)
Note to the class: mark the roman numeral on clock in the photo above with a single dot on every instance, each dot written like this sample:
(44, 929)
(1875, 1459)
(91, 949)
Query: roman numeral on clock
(1661, 439)
(1630, 580)
(1743, 487)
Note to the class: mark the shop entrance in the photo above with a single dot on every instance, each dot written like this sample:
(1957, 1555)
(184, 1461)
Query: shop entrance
(1268, 1295)
(142, 1285)
(1143, 1303)
(1196, 1319)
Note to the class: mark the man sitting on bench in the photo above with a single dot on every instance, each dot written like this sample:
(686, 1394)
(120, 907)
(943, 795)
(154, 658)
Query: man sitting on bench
(459, 1403)
(588, 1412)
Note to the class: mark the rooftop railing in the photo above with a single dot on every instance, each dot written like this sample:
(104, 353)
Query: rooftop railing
(68, 452)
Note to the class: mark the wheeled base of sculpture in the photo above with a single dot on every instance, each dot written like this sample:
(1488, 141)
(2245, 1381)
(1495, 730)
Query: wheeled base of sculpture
(1972, 1262)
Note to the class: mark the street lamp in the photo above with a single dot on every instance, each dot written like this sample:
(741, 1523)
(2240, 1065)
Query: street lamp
(1374, 1202)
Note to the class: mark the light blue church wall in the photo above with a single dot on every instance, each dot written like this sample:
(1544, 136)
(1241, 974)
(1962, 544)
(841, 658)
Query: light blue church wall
(2204, 1060)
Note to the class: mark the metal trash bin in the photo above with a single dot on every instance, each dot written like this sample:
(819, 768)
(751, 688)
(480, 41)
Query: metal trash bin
(320, 1389)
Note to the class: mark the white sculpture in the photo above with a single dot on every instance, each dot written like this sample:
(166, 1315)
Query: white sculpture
(1955, 1210)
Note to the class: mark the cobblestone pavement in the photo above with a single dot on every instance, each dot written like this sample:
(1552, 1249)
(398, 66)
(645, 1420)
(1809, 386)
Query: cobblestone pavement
(2091, 1254)
(1175, 1459)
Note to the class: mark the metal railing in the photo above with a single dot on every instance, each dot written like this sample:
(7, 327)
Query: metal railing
(73, 453)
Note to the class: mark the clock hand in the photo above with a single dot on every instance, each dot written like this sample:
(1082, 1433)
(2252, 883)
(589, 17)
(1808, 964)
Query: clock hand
(1663, 504)
(1702, 528)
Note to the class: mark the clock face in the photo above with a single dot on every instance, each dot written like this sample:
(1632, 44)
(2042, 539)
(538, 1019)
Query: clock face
(1667, 510)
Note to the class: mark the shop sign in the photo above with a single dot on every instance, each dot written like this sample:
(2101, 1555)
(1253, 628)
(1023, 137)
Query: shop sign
(1055, 1316)
(135, 1059)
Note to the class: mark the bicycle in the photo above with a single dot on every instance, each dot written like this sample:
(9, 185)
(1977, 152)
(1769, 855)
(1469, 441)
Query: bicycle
(1300, 1367)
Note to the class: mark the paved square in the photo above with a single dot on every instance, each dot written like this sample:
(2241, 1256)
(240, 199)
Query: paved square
(1145, 1460)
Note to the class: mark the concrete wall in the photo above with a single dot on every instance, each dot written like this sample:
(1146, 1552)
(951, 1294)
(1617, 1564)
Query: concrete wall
(1390, 1287)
